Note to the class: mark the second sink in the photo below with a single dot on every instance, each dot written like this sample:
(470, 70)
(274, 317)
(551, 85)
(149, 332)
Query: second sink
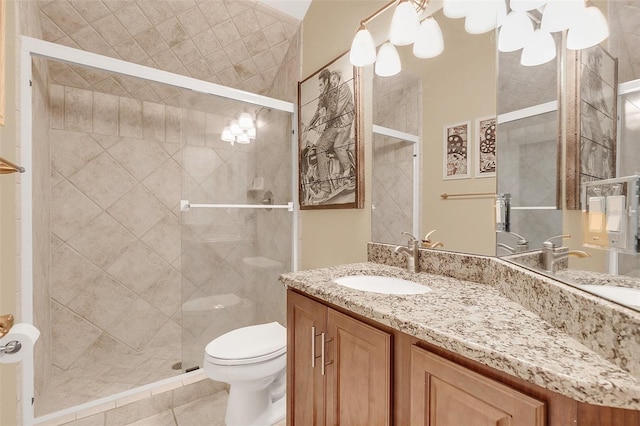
(380, 284)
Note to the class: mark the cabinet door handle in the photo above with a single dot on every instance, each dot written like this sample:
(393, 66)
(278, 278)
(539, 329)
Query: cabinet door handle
(313, 346)
(322, 348)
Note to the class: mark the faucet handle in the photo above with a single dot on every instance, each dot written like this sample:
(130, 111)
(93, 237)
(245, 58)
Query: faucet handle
(411, 237)
(427, 237)
(549, 241)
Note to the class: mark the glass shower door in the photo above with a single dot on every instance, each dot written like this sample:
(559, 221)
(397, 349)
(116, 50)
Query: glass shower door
(236, 226)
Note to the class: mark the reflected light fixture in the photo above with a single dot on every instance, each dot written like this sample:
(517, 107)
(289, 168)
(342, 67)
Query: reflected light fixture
(526, 5)
(485, 16)
(388, 61)
(363, 49)
(540, 48)
(515, 31)
(559, 15)
(590, 30)
(429, 41)
(404, 24)
(240, 130)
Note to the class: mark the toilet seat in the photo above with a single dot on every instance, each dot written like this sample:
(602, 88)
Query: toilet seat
(248, 345)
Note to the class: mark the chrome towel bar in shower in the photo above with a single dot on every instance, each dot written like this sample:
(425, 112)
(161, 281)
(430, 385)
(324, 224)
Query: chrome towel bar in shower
(185, 205)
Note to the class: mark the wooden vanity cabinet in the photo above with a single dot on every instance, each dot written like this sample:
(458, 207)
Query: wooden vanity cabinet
(338, 368)
(445, 393)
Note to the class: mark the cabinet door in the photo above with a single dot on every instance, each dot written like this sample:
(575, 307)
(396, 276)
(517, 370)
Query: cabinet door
(305, 383)
(446, 394)
(358, 373)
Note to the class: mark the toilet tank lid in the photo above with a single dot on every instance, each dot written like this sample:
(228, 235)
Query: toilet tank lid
(249, 342)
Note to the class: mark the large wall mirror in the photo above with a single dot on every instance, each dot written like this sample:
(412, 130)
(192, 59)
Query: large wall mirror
(429, 96)
(534, 107)
(562, 165)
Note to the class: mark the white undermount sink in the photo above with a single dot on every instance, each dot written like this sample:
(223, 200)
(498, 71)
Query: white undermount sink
(623, 295)
(380, 284)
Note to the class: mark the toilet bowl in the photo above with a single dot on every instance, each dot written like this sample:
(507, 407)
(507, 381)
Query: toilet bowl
(252, 361)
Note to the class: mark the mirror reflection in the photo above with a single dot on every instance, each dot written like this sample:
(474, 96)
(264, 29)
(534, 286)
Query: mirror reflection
(571, 172)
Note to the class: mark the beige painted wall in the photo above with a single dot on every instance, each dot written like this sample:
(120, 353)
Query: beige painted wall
(457, 86)
(330, 237)
(8, 135)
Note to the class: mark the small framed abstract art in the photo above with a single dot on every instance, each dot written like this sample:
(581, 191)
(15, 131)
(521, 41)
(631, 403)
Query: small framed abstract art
(456, 151)
(485, 147)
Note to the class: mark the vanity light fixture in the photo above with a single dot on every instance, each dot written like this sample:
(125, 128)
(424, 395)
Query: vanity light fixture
(241, 130)
(592, 29)
(404, 24)
(388, 61)
(515, 32)
(540, 48)
(429, 42)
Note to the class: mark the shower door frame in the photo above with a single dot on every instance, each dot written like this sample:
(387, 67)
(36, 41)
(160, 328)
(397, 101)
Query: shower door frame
(415, 190)
(30, 48)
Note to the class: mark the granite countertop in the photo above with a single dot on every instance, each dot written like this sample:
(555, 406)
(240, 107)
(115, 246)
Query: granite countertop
(477, 321)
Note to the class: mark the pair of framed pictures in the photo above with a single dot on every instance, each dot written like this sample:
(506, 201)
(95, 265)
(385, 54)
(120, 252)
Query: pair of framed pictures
(458, 148)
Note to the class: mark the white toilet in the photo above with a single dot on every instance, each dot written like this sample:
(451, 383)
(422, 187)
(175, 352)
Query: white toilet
(252, 361)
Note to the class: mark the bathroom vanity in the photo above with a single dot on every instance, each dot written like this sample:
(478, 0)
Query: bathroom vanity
(477, 346)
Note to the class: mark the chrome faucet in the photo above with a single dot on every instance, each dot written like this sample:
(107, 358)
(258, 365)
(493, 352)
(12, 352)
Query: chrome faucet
(551, 254)
(521, 245)
(411, 251)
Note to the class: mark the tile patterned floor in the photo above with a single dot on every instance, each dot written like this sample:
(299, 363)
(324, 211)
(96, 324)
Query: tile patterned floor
(208, 411)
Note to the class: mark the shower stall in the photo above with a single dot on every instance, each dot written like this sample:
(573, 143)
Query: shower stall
(144, 234)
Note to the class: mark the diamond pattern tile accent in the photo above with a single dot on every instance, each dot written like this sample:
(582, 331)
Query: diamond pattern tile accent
(178, 36)
(71, 210)
(137, 210)
(137, 267)
(103, 180)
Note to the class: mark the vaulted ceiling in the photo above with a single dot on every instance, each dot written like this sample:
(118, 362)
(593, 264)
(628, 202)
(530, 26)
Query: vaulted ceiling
(236, 43)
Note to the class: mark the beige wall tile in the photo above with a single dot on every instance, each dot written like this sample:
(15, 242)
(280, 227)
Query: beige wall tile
(105, 114)
(165, 295)
(111, 29)
(57, 106)
(90, 10)
(71, 336)
(151, 41)
(71, 210)
(103, 180)
(193, 21)
(164, 183)
(172, 31)
(155, 11)
(173, 125)
(214, 11)
(153, 119)
(138, 210)
(77, 109)
(226, 33)
(71, 151)
(138, 267)
(164, 237)
(64, 16)
(130, 118)
(138, 157)
(89, 39)
(70, 273)
(103, 241)
(130, 16)
(206, 42)
(201, 389)
(140, 324)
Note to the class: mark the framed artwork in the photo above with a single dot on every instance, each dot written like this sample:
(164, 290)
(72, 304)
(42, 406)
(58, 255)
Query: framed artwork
(456, 151)
(592, 82)
(331, 171)
(485, 147)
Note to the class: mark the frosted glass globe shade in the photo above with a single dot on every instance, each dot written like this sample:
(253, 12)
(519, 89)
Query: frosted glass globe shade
(404, 24)
(540, 48)
(515, 32)
(559, 15)
(456, 8)
(245, 121)
(363, 49)
(590, 30)
(388, 61)
(251, 133)
(485, 16)
(235, 128)
(243, 138)
(226, 135)
(429, 41)
(526, 5)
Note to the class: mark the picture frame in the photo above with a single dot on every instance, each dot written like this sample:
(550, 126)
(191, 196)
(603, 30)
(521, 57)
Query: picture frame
(330, 153)
(456, 160)
(485, 147)
(592, 91)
